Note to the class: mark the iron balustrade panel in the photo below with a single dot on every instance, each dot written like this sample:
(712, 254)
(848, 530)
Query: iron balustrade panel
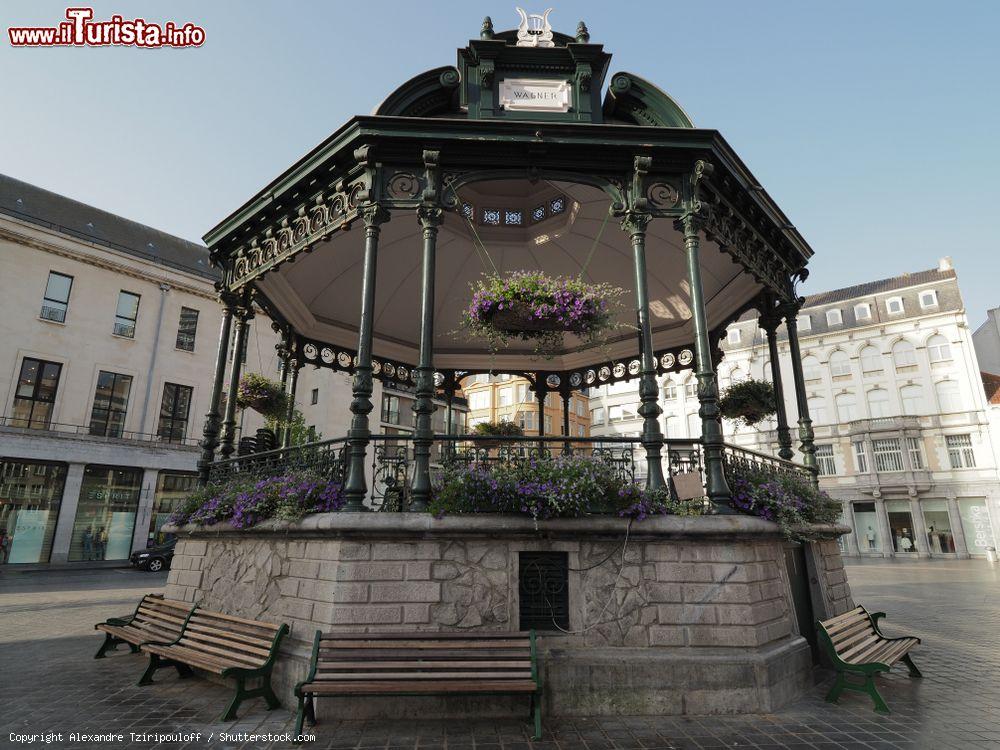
(543, 590)
(742, 462)
(325, 458)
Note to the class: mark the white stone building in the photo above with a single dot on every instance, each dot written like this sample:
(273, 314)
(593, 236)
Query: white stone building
(108, 339)
(897, 404)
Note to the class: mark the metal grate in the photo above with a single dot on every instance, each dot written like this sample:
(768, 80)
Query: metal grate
(543, 590)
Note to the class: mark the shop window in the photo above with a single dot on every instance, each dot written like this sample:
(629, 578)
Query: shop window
(900, 525)
(825, 460)
(105, 514)
(126, 314)
(55, 303)
(175, 408)
(36, 393)
(960, 453)
(172, 489)
(543, 590)
(937, 521)
(30, 497)
(975, 517)
(866, 527)
(187, 329)
(107, 418)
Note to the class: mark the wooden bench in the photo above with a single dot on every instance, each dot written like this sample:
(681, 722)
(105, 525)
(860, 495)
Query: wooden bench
(855, 645)
(155, 620)
(224, 645)
(392, 664)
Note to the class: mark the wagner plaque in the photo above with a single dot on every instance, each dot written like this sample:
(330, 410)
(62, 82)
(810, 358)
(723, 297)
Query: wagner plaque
(534, 95)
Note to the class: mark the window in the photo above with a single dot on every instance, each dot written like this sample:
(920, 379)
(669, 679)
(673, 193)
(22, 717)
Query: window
(597, 416)
(126, 314)
(766, 370)
(871, 359)
(526, 420)
(30, 495)
(938, 348)
(694, 425)
(670, 426)
(172, 489)
(548, 424)
(736, 375)
(314, 396)
(187, 329)
(106, 513)
(903, 354)
(506, 396)
(805, 322)
(834, 318)
(863, 311)
(580, 407)
(811, 369)
(581, 431)
(670, 392)
(948, 395)
(690, 390)
(174, 410)
(107, 418)
(888, 456)
(56, 300)
(390, 409)
(840, 364)
(847, 407)
(912, 397)
(824, 458)
(860, 457)
(894, 305)
(733, 336)
(522, 392)
(36, 393)
(928, 299)
(479, 399)
(817, 411)
(916, 451)
(878, 403)
(960, 451)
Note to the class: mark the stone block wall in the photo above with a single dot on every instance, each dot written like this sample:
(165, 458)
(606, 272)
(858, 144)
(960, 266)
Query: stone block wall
(687, 616)
(831, 579)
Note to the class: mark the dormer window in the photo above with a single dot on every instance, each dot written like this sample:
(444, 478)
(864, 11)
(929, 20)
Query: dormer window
(863, 311)
(894, 305)
(805, 322)
(733, 336)
(834, 318)
(928, 299)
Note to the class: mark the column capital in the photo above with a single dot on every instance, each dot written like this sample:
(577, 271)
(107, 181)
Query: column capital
(430, 217)
(374, 215)
(634, 222)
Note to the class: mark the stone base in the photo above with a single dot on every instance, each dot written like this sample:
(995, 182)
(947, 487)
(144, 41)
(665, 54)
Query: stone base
(690, 616)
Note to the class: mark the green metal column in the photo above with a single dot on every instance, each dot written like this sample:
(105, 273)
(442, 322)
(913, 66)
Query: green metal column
(291, 385)
(541, 393)
(243, 314)
(806, 435)
(634, 223)
(430, 218)
(213, 420)
(708, 389)
(284, 354)
(356, 487)
(769, 321)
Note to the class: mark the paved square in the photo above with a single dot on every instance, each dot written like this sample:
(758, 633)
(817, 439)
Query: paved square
(50, 683)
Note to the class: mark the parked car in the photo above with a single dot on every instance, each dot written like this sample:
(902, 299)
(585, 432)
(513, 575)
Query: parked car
(154, 559)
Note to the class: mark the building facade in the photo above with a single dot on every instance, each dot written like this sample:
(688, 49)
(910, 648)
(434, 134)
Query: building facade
(108, 339)
(986, 339)
(903, 435)
(495, 398)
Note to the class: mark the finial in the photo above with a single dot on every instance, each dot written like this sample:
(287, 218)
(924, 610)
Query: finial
(582, 34)
(487, 31)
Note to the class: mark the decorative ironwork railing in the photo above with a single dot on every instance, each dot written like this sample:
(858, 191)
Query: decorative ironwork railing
(743, 461)
(93, 433)
(324, 457)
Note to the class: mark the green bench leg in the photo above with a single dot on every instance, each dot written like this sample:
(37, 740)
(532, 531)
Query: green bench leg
(914, 672)
(110, 644)
(536, 706)
(154, 664)
(300, 716)
(243, 693)
(838, 687)
(870, 688)
(230, 713)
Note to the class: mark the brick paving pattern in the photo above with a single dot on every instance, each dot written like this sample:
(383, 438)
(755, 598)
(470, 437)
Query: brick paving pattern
(51, 683)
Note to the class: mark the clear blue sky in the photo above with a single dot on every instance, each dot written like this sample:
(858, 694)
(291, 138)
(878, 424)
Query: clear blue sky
(874, 125)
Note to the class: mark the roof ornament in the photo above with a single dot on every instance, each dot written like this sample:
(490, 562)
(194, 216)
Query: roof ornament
(487, 31)
(534, 30)
(582, 33)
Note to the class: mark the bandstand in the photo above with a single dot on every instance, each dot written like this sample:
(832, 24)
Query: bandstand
(525, 155)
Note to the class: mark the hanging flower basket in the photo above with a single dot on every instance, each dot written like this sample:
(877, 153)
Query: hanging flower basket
(531, 306)
(749, 401)
(264, 396)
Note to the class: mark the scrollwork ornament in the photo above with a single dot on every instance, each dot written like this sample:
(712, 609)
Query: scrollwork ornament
(663, 195)
(404, 185)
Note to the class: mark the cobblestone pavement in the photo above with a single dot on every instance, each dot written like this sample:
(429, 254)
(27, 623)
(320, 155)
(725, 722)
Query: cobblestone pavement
(50, 683)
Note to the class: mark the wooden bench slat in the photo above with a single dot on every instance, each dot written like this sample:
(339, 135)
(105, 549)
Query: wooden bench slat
(849, 625)
(434, 675)
(853, 639)
(241, 620)
(422, 664)
(233, 627)
(832, 622)
(196, 636)
(230, 654)
(198, 658)
(200, 627)
(428, 635)
(871, 639)
(427, 644)
(457, 686)
(355, 654)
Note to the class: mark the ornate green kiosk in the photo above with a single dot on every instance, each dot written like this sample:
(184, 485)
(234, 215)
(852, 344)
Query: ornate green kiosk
(522, 156)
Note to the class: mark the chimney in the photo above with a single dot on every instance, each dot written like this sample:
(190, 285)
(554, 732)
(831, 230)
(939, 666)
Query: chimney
(945, 264)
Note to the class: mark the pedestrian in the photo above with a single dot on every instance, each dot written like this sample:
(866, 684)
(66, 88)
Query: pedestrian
(87, 539)
(5, 542)
(100, 543)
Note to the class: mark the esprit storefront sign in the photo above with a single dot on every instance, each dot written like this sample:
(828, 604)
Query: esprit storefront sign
(534, 95)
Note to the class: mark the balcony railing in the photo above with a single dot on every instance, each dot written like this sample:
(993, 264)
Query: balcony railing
(743, 462)
(61, 428)
(57, 314)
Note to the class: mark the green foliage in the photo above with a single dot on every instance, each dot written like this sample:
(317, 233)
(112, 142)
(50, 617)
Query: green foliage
(748, 401)
(501, 428)
(300, 433)
(790, 500)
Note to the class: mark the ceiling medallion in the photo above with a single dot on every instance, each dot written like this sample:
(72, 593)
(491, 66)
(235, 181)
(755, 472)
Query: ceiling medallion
(310, 351)
(534, 30)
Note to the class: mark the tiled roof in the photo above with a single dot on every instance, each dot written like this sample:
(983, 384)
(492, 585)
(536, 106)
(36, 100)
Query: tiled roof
(879, 287)
(44, 208)
(991, 384)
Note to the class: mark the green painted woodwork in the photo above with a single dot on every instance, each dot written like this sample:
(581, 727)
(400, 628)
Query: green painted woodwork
(243, 313)
(636, 101)
(770, 319)
(430, 94)
(807, 446)
(866, 671)
(213, 420)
